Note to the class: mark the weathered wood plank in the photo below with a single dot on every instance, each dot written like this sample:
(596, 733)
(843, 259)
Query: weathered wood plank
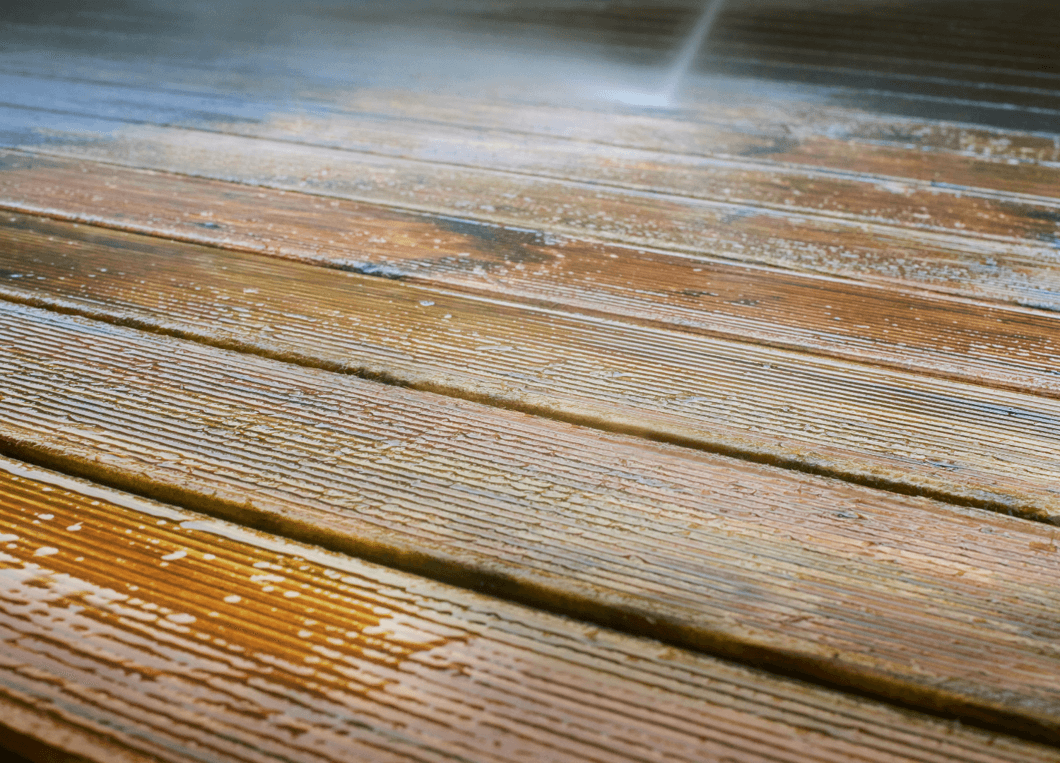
(858, 422)
(946, 608)
(913, 82)
(788, 127)
(969, 341)
(132, 630)
(811, 132)
(873, 197)
(1020, 271)
(850, 320)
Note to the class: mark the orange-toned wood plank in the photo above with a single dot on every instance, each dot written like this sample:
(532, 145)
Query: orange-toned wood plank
(881, 251)
(841, 318)
(864, 423)
(946, 608)
(132, 630)
(958, 339)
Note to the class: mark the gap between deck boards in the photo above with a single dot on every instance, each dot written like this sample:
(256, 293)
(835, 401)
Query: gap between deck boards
(718, 396)
(101, 573)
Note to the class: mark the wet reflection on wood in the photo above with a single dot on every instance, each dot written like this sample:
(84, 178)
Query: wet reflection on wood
(757, 374)
(185, 638)
(842, 583)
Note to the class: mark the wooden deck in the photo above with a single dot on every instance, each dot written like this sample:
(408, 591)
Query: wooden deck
(382, 386)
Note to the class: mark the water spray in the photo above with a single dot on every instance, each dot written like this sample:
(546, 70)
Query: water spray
(686, 56)
(664, 96)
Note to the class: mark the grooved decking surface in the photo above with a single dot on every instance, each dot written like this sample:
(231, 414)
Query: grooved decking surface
(357, 407)
(236, 645)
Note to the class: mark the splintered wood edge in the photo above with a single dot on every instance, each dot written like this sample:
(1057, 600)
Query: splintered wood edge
(874, 730)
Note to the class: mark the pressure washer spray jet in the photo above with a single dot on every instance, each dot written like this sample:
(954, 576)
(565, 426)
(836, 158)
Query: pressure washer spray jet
(664, 96)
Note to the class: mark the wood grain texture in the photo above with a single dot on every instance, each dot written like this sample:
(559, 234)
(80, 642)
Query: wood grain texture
(807, 136)
(882, 197)
(867, 424)
(946, 608)
(807, 132)
(957, 91)
(1018, 270)
(914, 331)
(133, 631)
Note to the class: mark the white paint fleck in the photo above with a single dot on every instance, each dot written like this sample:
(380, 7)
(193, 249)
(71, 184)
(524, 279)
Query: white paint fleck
(181, 619)
(232, 599)
(74, 528)
(266, 579)
(46, 517)
(175, 555)
(7, 538)
(45, 551)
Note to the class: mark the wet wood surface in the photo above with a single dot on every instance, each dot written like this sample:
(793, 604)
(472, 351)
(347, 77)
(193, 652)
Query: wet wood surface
(768, 375)
(858, 587)
(866, 424)
(848, 319)
(1016, 267)
(752, 178)
(172, 636)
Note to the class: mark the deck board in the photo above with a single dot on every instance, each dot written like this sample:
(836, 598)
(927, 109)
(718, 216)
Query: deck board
(1019, 270)
(178, 637)
(766, 373)
(853, 195)
(873, 425)
(893, 595)
(970, 340)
